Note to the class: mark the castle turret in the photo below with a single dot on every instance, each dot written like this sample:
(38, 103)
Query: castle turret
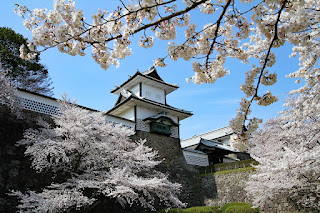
(142, 99)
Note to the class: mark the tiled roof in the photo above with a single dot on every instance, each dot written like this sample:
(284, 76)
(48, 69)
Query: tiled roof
(159, 115)
(195, 151)
(150, 74)
(214, 144)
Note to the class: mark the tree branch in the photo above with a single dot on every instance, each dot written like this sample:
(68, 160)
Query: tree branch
(275, 37)
(217, 30)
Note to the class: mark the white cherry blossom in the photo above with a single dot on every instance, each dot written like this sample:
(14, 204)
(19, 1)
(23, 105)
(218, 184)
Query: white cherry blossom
(288, 149)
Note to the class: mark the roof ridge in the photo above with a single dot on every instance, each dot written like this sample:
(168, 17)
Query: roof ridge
(153, 73)
(154, 77)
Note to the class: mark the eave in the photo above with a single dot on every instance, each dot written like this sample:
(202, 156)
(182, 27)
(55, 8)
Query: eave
(213, 145)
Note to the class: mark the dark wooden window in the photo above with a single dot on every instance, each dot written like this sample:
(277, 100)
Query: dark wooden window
(160, 128)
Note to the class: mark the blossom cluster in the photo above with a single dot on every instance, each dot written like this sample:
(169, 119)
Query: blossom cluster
(243, 130)
(7, 93)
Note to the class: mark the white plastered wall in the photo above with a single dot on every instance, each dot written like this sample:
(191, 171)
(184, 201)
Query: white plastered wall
(50, 106)
(120, 121)
(136, 90)
(226, 140)
(37, 98)
(129, 114)
(38, 103)
(153, 93)
(143, 113)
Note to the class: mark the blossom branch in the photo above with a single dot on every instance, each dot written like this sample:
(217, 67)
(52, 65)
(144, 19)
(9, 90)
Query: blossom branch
(217, 30)
(242, 130)
(194, 5)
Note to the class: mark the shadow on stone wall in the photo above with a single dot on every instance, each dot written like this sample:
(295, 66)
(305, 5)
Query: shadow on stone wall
(15, 171)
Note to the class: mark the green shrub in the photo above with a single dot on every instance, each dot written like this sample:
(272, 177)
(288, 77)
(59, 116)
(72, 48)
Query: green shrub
(228, 171)
(241, 209)
(202, 209)
(235, 165)
(227, 166)
(234, 171)
(225, 206)
(197, 209)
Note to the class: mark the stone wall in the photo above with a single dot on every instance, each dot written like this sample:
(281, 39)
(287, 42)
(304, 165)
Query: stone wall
(175, 165)
(229, 188)
(15, 171)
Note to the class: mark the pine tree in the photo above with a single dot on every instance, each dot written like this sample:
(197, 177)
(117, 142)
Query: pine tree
(24, 74)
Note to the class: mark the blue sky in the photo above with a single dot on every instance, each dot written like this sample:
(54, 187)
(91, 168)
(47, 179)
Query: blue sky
(213, 105)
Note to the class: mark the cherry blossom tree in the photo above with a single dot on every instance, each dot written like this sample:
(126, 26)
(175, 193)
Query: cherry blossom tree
(246, 30)
(97, 159)
(288, 150)
(7, 92)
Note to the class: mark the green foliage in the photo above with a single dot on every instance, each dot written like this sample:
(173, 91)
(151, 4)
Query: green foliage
(197, 209)
(202, 209)
(241, 209)
(229, 171)
(30, 75)
(238, 208)
(234, 207)
(234, 170)
(225, 206)
(228, 166)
